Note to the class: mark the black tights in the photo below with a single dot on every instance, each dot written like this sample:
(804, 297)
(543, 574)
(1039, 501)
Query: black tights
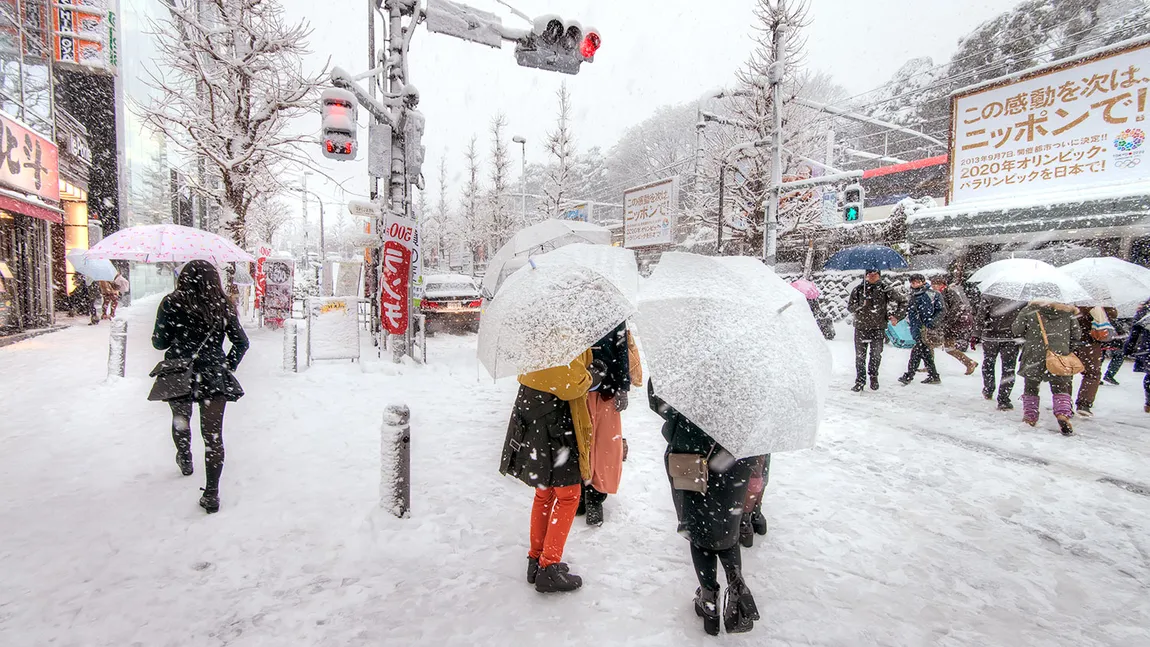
(707, 571)
(211, 428)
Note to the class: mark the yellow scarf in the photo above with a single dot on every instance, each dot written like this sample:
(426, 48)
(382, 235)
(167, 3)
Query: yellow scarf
(570, 383)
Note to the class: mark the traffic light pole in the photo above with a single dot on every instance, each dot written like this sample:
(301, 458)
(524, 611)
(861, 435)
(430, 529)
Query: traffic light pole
(771, 230)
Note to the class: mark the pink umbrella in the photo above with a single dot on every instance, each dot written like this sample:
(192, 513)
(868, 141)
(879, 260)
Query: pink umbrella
(168, 244)
(809, 290)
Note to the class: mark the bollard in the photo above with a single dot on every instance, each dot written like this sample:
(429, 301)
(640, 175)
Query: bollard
(395, 460)
(118, 348)
(291, 347)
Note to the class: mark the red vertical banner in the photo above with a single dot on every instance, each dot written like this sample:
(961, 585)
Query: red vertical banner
(262, 253)
(394, 286)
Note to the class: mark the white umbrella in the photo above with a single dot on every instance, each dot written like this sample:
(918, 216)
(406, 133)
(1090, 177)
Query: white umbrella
(93, 268)
(735, 349)
(1026, 279)
(1111, 281)
(168, 244)
(616, 264)
(547, 316)
(536, 239)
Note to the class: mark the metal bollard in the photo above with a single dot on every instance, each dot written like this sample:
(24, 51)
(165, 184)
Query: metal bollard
(395, 460)
(291, 347)
(118, 348)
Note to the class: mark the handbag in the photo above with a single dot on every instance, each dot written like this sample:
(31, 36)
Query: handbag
(174, 377)
(1059, 365)
(689, 471)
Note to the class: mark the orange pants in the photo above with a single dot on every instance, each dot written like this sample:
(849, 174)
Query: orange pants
(551, 517)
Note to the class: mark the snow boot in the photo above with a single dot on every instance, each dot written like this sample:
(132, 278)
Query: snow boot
(758, 522)
(1064, 425)
(988, 394)
(210, 501)
(1085, 412)
(184, 461)
(933, 379)
(533, 569)
(1063, 412)
(874, 383)
(739, 609)
(707, 608)
(906, 379)
(1005, 405)
(1030, 409)
(971, 367)
(556, 578)
(858, 387)
(746, 531)
(594, 514)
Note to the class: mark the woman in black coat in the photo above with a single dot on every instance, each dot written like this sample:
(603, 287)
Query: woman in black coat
(711, 521)
(192, 323)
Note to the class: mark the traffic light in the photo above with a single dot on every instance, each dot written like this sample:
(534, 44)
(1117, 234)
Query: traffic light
(852, 203)
(557, 46)
(338, 109)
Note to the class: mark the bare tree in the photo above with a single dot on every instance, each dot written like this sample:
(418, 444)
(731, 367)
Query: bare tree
(267, 214)
(561, 147)
(500, 215)
(472, 227)
(441, 216)
(228, 80)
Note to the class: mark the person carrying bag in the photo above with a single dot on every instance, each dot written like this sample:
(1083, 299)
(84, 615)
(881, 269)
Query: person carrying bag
(1051, 335)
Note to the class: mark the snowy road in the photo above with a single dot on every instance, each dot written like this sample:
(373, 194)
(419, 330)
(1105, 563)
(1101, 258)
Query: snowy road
(923, 517)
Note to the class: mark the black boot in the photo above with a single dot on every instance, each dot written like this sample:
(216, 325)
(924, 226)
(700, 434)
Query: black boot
(874, 383)
(533, 569)
(556, 578)
(184, 461)
(210, 501)
(746, 531)
(707, 608)
(758, 521)
(858, 387)
(906, 379)
(594, 514)
(739, 609)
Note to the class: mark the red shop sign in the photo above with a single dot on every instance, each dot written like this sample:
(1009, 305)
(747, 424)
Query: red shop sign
(28, 162)
(394, 284)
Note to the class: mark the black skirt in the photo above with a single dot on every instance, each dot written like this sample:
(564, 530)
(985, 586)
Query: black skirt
(711, 520)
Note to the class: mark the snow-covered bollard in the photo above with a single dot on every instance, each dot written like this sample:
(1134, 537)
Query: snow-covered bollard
(291, 346)
(118, 348)
(395, 460)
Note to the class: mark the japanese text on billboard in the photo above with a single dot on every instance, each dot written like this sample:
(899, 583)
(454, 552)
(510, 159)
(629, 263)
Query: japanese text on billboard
(649, 214)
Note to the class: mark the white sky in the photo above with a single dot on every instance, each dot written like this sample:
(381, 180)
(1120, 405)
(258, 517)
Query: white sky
(655, 52)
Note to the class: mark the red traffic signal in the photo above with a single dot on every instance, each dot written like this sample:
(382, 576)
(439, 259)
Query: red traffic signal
(590, 45)
(338, 127)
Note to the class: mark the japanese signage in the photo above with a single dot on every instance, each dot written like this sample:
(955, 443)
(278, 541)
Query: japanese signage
(277, 301)
(28, 162)
(262, 253)
(649, 214)
(399, 240)
(581, 212)
(333, 328)
(85, 34)
(1071, 126)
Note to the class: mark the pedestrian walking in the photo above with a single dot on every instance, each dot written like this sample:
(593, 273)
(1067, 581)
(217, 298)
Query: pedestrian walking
(606, 404)
(191, 325)
(548, 448)
(1138, 347)
(874, 303)
(1047, 328)
(709, 488)
(111, 291)
(924, 314)
(957, 321)
(95, 300)
(994, 327)
(1097, 334)
(1116, 350)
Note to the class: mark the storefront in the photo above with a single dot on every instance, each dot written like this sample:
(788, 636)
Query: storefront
(29, 193)
(75, 159)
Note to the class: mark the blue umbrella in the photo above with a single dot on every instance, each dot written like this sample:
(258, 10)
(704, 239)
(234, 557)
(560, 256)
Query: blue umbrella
(866, 257)
(94, 269)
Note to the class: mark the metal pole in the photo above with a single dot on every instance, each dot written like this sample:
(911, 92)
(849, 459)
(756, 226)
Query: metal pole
(373, 254)
(395, 460)
(118, 348)
(303, 197)
(770, 232)
(523, 179)
(322, 249)
(722, 185)
(291, 347)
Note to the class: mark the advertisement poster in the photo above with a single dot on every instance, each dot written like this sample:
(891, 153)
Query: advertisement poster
(1077, 126)
(399, 241)
(277, 300)
(649, 214)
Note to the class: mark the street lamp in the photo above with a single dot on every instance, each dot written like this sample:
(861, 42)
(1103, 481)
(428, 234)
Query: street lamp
(522, 141)
(322, 247)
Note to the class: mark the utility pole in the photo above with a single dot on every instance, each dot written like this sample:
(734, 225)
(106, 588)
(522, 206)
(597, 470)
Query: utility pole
(770, 232)
(303, 197)
(522, 141)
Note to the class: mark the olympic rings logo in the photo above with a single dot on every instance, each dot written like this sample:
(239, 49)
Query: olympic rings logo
(1127, 162)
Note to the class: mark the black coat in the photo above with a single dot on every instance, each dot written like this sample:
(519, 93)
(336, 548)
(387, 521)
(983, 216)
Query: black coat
(612, 352)
(994, 319)
(540, 448)
(874, 305)
(957, 318)
(710, 520)
(180, 333)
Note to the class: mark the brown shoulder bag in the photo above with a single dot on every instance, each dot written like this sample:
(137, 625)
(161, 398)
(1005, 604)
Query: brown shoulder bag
(1060, 365)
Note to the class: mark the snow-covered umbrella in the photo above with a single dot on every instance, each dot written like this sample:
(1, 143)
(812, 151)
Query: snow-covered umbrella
(734, 348)
(547, 316)
(1112, 281)
(616, 264)
(1027, 279)
(94, 268)
(537, 239)
(168, 244)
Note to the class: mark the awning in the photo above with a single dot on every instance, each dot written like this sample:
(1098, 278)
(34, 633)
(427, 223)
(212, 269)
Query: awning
(17, 203)
(1111, 212)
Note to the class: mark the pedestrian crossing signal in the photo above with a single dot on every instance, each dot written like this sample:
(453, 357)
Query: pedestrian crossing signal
(852, 202)
(851, 213)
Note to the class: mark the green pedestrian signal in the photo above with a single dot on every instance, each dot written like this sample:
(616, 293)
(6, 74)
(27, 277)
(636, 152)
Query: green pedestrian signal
(852, 202)
(851, 213)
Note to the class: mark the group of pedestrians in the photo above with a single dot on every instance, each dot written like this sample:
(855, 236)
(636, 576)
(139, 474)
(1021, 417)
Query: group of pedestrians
(98, 299)
(1018, 338)
(564, 440)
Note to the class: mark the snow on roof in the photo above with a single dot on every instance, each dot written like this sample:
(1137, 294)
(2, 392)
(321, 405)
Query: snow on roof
(1107, 192)
(1063, 62)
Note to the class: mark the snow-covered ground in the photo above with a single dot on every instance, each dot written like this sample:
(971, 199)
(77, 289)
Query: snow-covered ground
(923, 516)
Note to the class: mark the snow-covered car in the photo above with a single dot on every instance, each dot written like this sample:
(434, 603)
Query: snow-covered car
(452, 300)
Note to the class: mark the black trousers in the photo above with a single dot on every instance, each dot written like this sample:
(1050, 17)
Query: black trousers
(707, 571)
(211, 428)
(922, 353)
(868, 341)
(1058, 385)
(992, 351)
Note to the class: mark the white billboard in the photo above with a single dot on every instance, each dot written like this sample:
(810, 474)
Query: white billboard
(649, 214)
(1073, 125)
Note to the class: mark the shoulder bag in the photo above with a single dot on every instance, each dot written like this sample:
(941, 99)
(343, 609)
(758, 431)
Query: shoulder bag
(689, 471)
(174, 377)
(1059, 365)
